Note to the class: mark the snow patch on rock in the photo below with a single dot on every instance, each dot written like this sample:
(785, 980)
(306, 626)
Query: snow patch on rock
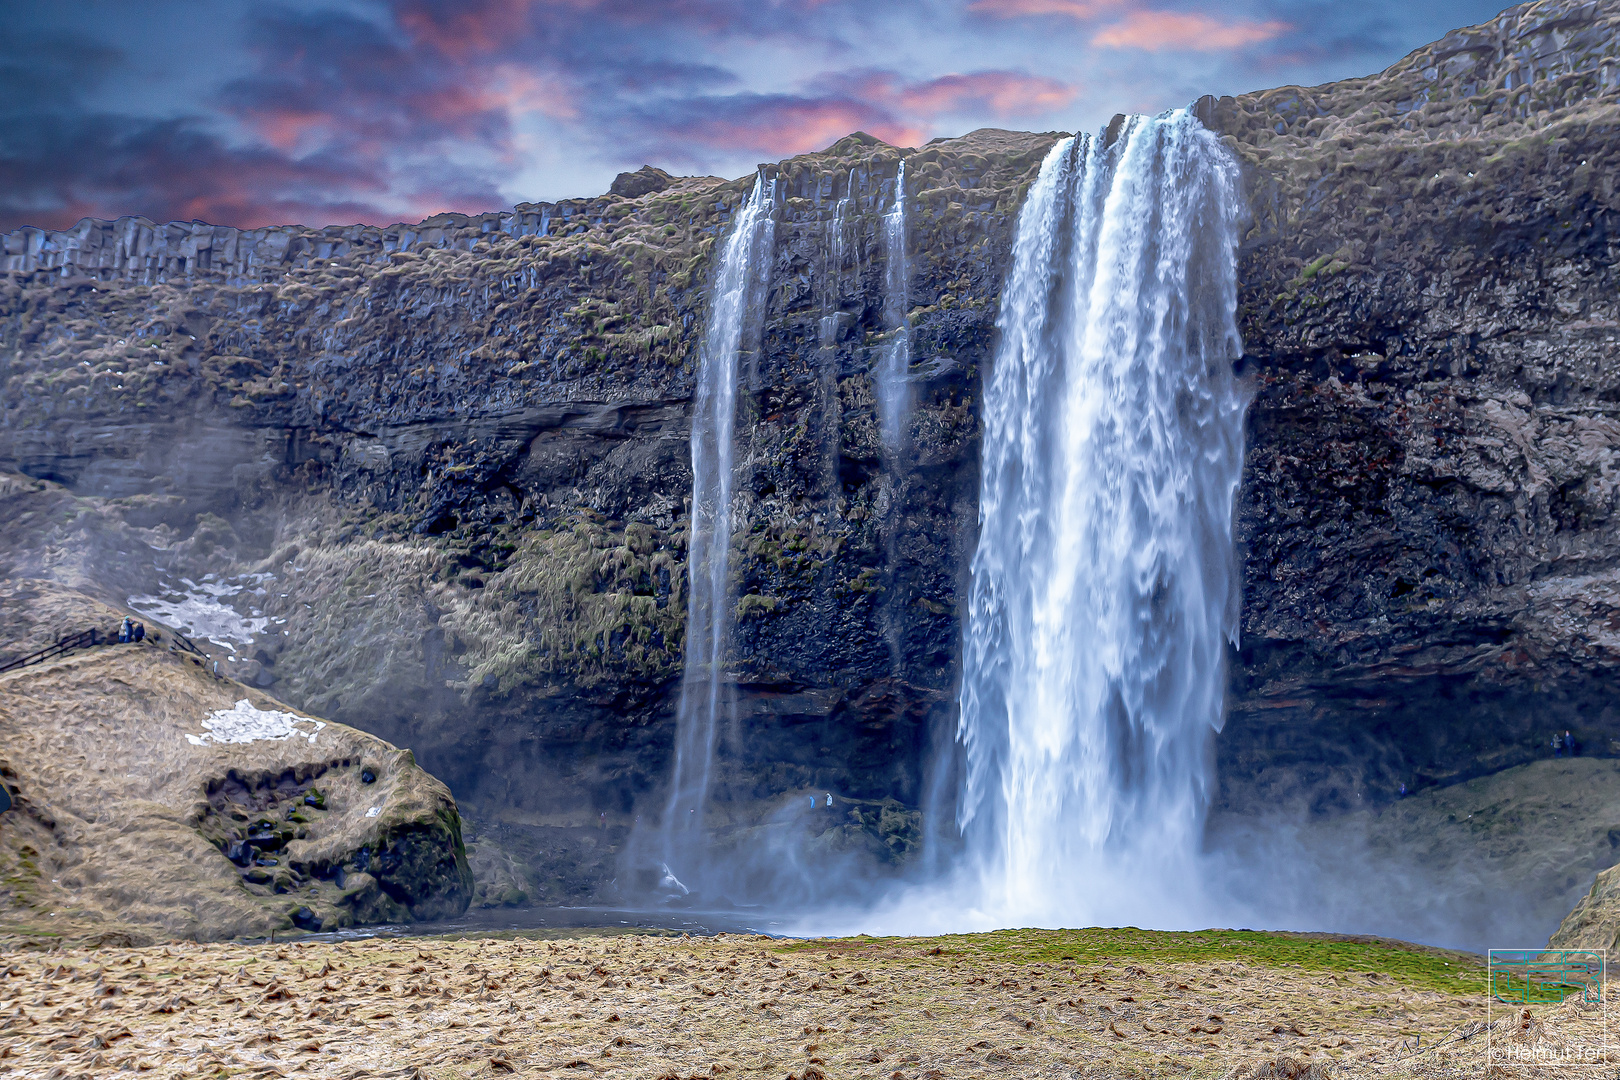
(200, 609)
(244, 724)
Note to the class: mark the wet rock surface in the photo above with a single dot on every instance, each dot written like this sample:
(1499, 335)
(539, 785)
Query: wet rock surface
(453, 457)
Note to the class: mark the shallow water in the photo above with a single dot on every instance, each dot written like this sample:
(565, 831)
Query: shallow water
(571, 922)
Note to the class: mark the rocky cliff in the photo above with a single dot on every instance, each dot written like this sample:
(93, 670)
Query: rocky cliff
(1429, 307)
(438, 472)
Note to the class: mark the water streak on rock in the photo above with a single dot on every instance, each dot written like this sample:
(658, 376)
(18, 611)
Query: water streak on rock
(733, 325)
(1104, 585)
(837, 252)
(893, 393)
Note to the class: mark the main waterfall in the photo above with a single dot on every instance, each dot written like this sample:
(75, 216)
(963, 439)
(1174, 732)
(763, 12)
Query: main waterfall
(1104, 588)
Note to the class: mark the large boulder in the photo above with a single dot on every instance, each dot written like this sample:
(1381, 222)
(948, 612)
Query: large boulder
(644, 181)
(151, 794)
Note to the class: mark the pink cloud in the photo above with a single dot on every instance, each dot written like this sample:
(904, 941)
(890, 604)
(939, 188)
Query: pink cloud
(1156, 31)
(1074, 9)
(516, 88)
(1004, 93)
(1153, 31)
(285, 129)
(464, 30)
(787, 126)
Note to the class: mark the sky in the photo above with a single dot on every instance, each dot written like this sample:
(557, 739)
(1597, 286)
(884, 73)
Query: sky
(321, 112)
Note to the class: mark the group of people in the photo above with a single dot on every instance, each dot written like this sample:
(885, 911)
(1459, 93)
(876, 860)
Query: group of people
(130, 631)
(1563, 744)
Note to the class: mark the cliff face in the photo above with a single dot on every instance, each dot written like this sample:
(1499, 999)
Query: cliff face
(440, 471)
(465, 469)
(1430, 312)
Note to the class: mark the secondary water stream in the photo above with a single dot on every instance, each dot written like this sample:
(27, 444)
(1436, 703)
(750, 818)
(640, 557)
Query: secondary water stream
(739, 284)
(894, 358)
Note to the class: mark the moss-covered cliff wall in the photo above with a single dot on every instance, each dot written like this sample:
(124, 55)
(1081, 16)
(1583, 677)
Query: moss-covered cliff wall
(1431, 313)
(459, 451)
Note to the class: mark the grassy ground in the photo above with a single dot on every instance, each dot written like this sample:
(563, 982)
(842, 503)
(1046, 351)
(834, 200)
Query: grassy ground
(1085, 1003)
(1414, 965)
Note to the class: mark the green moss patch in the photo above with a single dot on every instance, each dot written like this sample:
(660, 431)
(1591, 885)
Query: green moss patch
(1418, 966)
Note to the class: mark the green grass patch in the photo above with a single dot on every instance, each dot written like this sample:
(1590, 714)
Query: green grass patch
(1315, 267)
(1419, 966)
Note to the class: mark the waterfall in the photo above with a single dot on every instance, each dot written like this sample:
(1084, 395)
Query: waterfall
(734, 316)
(1105, 587)
(833, 267)
(893, 393)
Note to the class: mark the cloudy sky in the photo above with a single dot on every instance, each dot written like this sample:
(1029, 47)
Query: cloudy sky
(247, 112)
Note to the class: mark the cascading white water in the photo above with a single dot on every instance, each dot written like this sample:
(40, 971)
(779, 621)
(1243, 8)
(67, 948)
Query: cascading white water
(893, 392)
(837, 253)
(736, 299)
(1105, 587)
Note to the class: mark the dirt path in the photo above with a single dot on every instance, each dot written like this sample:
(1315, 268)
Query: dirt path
(1016, 1003)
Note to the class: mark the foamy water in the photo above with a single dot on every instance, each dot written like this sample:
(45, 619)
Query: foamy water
(1104, 588)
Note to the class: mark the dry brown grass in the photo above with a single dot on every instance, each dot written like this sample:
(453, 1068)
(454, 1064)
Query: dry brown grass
(662, 1007)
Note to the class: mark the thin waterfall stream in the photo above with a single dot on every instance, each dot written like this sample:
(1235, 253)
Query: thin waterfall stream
(734, 312)
(894, 359)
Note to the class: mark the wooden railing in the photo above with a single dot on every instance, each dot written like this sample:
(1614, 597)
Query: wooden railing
(84, 639)
(187, 645)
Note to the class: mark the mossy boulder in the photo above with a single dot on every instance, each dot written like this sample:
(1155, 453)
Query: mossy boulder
(155, 795)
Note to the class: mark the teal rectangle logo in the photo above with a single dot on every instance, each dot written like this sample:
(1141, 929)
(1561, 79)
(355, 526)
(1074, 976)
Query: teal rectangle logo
(1545, 976)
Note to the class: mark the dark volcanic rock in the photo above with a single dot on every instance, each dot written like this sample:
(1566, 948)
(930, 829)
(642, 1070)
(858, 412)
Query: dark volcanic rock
(644, 181)
(459, 451)
(1429, 305)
